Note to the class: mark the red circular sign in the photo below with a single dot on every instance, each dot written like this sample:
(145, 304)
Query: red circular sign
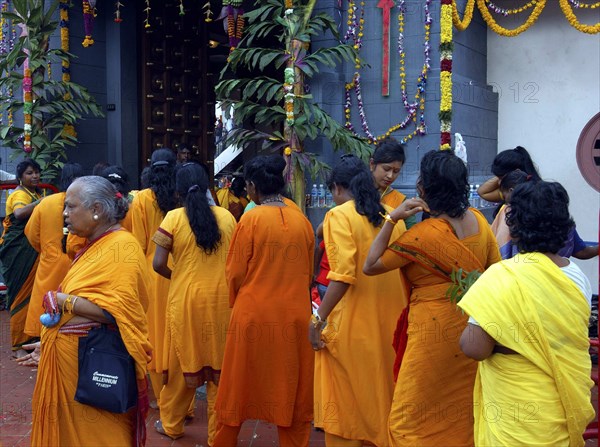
(588, 152)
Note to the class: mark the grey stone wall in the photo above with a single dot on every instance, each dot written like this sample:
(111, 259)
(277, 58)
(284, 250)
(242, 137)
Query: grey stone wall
(475, 107)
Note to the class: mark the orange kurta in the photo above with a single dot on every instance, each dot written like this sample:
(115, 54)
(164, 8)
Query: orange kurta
(44, 230)
(145, 218)
(113, 276)
(353, 374)
(433, 398)
(268, 363)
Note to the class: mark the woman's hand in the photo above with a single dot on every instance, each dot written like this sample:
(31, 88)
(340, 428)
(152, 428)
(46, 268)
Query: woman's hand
(314, 335)
(408, 208)
(33, 358)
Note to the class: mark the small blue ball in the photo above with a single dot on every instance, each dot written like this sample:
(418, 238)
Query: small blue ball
(49, 320)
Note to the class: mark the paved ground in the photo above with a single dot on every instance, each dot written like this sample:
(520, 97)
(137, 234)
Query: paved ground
(16, 388)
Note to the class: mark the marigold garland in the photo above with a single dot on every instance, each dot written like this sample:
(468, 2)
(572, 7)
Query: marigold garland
(568, 12)
(64, 6)
(27, 109)
(88, 23)
(446, 48)
(463, 24)
(506, 12)
(288, 89)
(491, 22)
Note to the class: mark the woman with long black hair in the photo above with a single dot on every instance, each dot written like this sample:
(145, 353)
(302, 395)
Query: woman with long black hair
(147, 211)
(353, 329)
(198, 237)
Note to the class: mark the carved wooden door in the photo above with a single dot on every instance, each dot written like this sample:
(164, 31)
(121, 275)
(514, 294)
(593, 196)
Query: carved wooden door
(177, 86)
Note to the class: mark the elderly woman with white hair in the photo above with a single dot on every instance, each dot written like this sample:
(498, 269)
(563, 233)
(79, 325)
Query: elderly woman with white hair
(104, 290)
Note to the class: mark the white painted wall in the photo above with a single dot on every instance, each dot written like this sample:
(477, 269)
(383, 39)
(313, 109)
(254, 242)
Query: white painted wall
(548, 80)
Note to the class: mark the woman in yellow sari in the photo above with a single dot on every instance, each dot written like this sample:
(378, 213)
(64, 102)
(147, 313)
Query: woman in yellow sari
(106, 284)
(528, 328)
(147, 211)
(198, 237)
(18, 258)
(433, 395)
(44, 231)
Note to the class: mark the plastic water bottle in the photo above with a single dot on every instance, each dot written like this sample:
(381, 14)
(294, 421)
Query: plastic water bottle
(472, 196)
(328, 198)
(476, 198)
(314, 196)
(321, 196)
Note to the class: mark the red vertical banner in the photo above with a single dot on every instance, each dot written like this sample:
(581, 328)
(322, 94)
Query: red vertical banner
(386, 6)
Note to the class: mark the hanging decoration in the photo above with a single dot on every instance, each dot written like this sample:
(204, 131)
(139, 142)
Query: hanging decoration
(355, 32)
(507, 12)
(181, 8)
(233, 11)
(4, 38)
(88, 22)
(565, 5)
(487, 7)
(207, 12)
(118, 18)
(459, 24)
(288, 93)
(386, 6)
(64, 7)
(27, 108)
(446, 48)
(147, 11)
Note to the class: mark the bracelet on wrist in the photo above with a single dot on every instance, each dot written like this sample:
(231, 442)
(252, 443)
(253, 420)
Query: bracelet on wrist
(388, 218)
(317, 321)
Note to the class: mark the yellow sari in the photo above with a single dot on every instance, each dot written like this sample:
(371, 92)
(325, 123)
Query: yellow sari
(540, 396)
(111, 273)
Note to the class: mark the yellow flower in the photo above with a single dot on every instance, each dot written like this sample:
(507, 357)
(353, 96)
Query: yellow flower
(491, 22)
(462, 25)
(287, 151)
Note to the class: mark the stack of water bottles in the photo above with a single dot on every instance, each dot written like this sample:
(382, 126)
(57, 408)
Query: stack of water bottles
(476, 201)
(320, 197)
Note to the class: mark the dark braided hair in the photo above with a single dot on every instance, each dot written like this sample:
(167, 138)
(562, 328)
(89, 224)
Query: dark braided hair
(353, 175)
(191, 186)
(162, 179)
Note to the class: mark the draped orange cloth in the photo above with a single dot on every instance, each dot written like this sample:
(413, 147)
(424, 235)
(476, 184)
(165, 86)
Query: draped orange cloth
(394, 199)
(433, 398)
(44, 231)
(110, 273)
(145, 218)
(268, 364)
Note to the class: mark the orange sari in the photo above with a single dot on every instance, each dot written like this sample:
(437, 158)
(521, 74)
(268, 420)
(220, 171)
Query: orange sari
(111, 273)
(433, 398)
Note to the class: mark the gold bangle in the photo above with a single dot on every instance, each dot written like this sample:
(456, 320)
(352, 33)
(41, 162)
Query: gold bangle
(318, 322)
(67, 304)
(72, 310)
(388, 218)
